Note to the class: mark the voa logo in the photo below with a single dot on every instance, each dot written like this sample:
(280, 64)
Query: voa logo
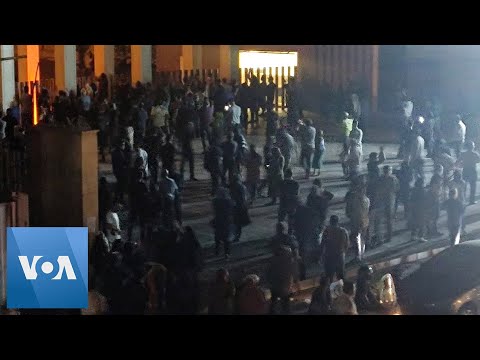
(30, 268)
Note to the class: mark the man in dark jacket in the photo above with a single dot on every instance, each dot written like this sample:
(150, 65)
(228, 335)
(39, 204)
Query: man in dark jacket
(213, 163)
(238, 192)
(333, 247)
(167, 155)
(138, 199)
(288, 198)
(120, 164)
(230, 148)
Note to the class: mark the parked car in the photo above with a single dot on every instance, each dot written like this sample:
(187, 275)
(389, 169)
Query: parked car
(448, 283)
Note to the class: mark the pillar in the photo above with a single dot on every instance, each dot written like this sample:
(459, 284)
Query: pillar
(197, 53)
(104, 58)
(374, 68)
(7, 65)
(141, 63)
(229, 61)
(66, 67)
(28, 63)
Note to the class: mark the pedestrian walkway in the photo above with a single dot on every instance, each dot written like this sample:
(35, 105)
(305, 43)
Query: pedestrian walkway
(251, 254)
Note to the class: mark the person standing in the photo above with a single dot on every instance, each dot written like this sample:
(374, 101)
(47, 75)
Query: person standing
(230, 149)
(318, 153)
(283, 276)
(319, 201)
(415, 156)
(346, 127)
(167, 155)
(141, 158)
(253, 162)
(356, 133)
(223, 207)
(120, 166)
(236, 114)
(289, 200)
(458, 136)
(270, 93)
(214, 164)
(405, 178)
(170, 200)
(469, 160)
(357, 209)
(138, 198)
(308, 146)
(432, 208)
(206, 119)
(187, 137)
(385, 201)
(461, 186)
(354, 159)
(333, 247)
(418, 210)
(26, 102)
(275, 173)
(286, 144)
(153, 142)
(238, 192)
(455, 211)
(160, 116)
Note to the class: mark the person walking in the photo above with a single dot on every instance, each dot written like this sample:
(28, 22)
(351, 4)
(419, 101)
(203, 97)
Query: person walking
(333, 247)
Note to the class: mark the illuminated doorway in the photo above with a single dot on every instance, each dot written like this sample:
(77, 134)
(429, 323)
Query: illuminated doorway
(278, 64)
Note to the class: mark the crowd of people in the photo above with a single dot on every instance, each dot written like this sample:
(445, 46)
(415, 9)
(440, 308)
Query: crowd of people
(146, 127)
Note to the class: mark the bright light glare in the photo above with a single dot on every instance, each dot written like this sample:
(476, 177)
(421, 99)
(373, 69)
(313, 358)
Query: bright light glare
(270, 60)
(261, 59)
(421, 120)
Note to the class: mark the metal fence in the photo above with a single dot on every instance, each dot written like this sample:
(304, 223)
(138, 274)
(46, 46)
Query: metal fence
(13, 169)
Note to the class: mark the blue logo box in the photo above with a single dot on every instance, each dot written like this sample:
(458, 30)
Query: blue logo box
(47, 268)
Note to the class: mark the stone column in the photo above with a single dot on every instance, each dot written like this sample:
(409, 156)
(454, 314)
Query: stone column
(229, 61)
(104, 58)
(66, 67)
(8, 75)
(141, 63)
(28, 68)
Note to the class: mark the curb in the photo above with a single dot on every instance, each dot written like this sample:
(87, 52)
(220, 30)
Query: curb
(313, 282)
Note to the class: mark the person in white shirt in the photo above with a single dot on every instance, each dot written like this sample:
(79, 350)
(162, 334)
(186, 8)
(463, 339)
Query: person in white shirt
(141, 153)
(113, 225)
(416, 158)
(356, 133)
(159, 115)
(458, 135)
(236, 113)
(354, 158)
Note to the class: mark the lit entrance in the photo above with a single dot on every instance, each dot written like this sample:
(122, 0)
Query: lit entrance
(278, 64)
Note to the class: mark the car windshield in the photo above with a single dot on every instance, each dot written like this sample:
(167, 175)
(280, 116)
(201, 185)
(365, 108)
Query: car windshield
(446, 275)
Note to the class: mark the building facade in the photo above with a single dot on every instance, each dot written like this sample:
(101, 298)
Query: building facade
(335, 65)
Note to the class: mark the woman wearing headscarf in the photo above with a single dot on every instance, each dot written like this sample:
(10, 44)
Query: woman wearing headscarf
(221, 294)
(156, 283)
(251, 298)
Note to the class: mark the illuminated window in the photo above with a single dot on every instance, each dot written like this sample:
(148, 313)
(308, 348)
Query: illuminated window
(257, 61)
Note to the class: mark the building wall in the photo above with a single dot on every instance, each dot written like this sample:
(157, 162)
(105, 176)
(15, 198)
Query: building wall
(168, 57)
(449, 72)
(211, 56)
